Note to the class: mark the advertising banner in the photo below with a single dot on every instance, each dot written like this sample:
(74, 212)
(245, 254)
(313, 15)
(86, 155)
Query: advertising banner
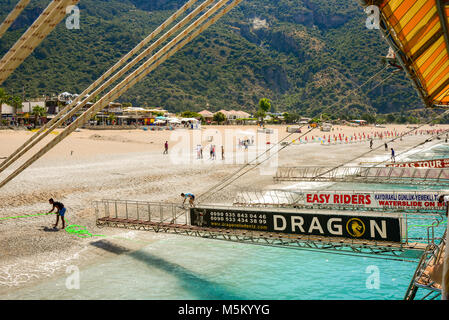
(419, 201)
(436, 163)
(374, 228)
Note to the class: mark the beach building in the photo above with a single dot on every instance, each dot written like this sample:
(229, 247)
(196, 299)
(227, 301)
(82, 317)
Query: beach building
(22, 115)
(207, 115)
(233, 116)
(304, 120)
(243, 114)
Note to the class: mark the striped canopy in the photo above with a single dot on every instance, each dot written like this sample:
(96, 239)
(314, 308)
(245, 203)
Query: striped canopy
(418, 31)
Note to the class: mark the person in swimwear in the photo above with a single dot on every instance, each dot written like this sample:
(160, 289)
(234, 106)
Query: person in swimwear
(60, 212)
(189, 196)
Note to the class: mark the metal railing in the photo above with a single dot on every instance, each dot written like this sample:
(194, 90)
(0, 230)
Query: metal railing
(141, 210)
(365, 174)
(267, 198)
(421, 280)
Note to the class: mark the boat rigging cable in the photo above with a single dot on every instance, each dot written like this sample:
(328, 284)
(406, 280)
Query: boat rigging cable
(152, 63)
(392, 140)
(12, 16)
(208, 192)
(37, 32)
(76, 104)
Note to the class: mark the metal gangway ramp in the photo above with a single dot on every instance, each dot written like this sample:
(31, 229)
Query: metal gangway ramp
(421, 279)
(171, 218)
(395, 175)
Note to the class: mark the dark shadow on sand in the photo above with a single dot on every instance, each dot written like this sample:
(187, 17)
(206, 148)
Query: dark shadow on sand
(47, 229)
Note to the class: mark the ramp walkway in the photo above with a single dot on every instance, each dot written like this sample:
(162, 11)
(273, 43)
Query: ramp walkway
(170, 218)
(420, 176)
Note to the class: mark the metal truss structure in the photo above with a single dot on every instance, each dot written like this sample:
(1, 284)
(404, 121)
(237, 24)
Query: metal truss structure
(170, 218)
(414, 176)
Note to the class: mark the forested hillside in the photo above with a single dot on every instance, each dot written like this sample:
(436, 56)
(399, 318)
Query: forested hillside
(304, 55)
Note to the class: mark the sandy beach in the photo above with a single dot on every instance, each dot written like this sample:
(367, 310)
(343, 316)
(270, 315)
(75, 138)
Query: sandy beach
(129, 164)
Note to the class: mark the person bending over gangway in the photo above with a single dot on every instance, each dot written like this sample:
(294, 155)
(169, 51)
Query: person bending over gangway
(189, 196)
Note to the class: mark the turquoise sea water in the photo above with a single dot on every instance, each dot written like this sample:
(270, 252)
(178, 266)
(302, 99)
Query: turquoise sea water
(439, 151)
(188, 268)
(177, 267)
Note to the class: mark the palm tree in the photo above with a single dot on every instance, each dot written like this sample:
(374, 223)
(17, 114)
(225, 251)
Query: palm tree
(16, 103)
(265, 105)
(38, 112)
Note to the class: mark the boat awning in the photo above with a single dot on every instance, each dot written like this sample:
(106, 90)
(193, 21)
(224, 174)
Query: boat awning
(418, 30)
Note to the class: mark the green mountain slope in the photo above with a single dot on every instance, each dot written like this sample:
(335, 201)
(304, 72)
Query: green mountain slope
(304, 55)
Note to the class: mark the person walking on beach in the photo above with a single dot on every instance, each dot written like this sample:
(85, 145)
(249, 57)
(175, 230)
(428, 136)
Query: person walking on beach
(60, 212)
(166, 147)
(393, 158)
(198, 151)
(371, 144)
(386, 146)
(189, 196)
(222, 153)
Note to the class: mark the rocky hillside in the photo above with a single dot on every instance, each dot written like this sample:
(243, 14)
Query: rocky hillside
(304, 55)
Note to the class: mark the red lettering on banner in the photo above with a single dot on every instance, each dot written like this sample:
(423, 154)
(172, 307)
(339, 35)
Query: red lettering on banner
(336, 199)
(361, 199)
(368, 199)
(437, 163)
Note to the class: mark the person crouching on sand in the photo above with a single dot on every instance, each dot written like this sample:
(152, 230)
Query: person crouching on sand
(60, 212)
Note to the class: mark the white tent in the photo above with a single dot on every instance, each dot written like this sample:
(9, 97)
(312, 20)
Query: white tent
(189, 119)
